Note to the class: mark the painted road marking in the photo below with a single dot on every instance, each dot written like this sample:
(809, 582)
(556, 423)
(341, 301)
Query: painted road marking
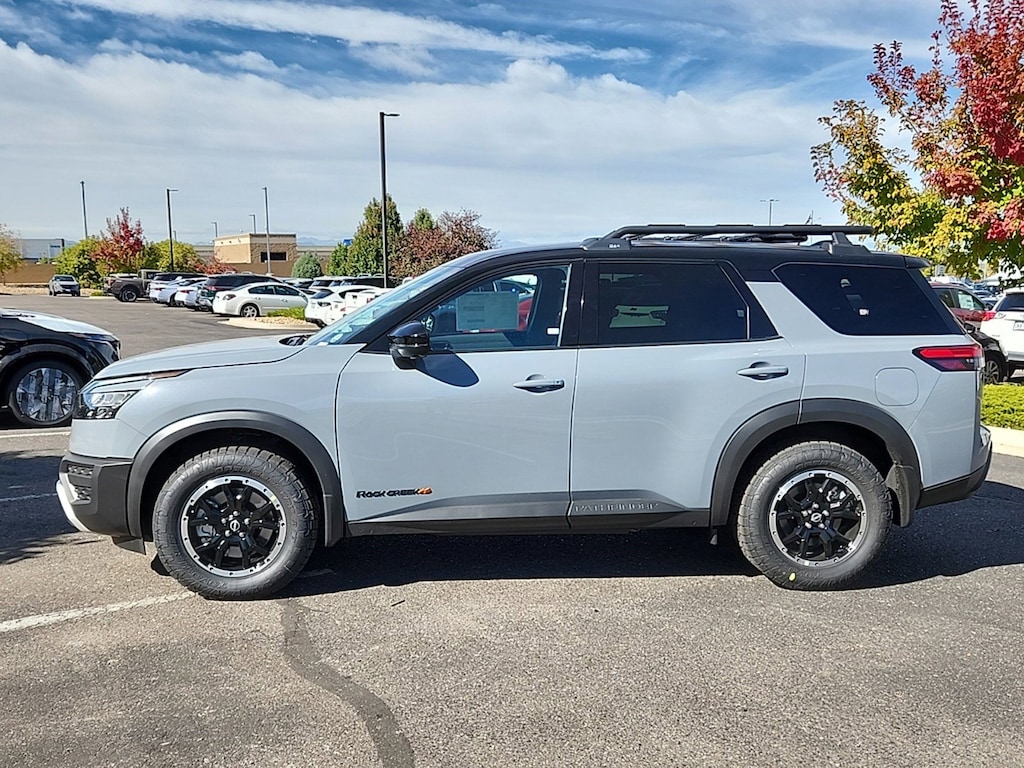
(43, 619)
(29, 497)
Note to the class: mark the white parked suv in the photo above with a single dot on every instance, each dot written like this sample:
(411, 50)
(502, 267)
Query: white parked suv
(1007, 327)
(802, 398)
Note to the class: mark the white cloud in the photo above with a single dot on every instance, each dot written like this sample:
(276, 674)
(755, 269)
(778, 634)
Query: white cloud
(539, 154)
(356, 25)
(250, 61)
(412, 61)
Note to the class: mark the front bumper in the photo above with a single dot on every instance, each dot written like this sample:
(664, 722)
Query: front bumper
(94, 493)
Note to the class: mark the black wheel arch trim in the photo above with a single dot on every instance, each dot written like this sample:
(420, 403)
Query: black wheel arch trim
(277, 426)
(904, 477)
(70, 355)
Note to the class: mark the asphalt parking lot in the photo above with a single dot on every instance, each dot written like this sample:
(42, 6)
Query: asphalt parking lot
(653, 649)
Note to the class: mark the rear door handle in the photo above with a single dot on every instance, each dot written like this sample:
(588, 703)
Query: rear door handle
(764, 371)
(537, 383)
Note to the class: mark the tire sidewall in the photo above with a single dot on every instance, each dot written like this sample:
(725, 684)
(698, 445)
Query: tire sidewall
(288, 561)
(753, 522)
(255, 311)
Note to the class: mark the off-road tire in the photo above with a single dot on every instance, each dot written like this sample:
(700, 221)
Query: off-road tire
(64, 381)
(859, 507)
(200, 506)
(128, 294)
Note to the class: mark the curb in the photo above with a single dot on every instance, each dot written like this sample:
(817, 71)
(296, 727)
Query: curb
(1007, 441)
(289, 327)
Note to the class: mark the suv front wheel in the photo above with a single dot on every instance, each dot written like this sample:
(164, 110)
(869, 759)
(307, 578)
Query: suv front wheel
(814, 516)
(234, 523)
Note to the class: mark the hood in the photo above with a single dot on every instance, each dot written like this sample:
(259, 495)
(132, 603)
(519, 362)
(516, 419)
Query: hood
(54, 323)
(211, 354)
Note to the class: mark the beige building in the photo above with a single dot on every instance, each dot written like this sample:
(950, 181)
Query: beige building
(248, 252)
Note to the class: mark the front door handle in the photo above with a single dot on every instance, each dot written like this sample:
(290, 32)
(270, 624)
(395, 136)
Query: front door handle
(764, 371)
(538, 383)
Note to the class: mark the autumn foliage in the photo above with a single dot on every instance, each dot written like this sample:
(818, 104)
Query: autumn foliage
(957, 196)
(121, 248)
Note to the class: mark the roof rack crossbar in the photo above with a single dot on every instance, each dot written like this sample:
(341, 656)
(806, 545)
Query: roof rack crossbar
(803, 230)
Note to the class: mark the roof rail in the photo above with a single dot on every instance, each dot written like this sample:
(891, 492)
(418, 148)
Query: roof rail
(805, 230)
(625, 238)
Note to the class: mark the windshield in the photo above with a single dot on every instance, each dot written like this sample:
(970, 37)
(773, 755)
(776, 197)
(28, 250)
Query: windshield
(349, 325)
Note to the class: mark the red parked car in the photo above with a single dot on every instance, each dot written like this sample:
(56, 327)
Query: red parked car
(969, 309)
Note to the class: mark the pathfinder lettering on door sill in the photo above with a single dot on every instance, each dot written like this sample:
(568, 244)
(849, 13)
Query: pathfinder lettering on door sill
(394, 492)
(619, 506)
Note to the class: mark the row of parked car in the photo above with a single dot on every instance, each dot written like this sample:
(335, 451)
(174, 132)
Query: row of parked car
(245, 294)
(996, 321)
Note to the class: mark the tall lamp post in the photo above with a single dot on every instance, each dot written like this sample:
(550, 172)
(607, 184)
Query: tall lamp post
(85, 221)
(170, 230)
(770, 200)
(214, 229)
(384, 197)
(266, 209)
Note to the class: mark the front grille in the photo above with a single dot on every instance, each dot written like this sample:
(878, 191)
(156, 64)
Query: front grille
(79, 470)
(82, 492)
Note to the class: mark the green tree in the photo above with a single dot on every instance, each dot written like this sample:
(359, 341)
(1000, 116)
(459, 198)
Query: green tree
(453, 235)
(158, 256)
(339, 258)
(10, 253)
(957, 195)
(364, 255)
(79, 260)
(307, 265)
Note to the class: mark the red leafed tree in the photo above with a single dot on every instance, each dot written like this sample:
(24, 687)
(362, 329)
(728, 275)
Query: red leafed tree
(426, 243)
(122, 248)
(958, 196)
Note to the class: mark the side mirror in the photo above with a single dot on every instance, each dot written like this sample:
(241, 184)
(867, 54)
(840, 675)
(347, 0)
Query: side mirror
(409, 343)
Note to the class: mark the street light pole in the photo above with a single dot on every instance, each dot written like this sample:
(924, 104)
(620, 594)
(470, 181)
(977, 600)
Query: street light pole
(266, 208)
(384, 197)
(170, 229)
(214, 229)
(85, 221)
(770, 200)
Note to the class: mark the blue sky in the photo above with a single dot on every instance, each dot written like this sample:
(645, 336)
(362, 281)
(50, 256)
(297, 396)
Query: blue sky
(553, 121)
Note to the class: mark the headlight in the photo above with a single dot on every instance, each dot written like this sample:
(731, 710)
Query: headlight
(102, 399)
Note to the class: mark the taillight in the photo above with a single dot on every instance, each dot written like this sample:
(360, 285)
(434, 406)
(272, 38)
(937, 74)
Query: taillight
(966, 357)
(227, 296)
(989, 314)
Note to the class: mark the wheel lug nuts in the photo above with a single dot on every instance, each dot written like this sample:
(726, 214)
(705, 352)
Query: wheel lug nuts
(807, 525)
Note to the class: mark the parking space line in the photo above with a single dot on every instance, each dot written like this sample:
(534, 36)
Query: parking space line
(43, 619)
(35, 433)
(29, 497)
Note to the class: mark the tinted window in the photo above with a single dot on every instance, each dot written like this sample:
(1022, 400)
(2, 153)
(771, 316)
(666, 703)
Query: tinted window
(261, 289)
(495, 314)
(668, 303)
(946, 296)
(1010, 301)
(866, 301)
(286, 290)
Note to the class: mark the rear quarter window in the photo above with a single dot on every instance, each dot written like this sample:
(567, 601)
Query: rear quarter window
(867, 300)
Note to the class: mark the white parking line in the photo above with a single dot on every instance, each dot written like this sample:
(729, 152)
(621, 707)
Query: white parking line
(42, 619)
(27, 498)
(35, 433)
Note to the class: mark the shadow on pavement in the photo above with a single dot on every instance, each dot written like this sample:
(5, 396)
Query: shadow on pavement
(986, 531)
(31, 519)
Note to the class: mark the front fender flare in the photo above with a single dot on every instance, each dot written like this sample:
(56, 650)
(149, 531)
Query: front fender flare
(279, 427)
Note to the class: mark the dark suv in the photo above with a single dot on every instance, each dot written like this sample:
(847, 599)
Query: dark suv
(45, 361)
(218, 283)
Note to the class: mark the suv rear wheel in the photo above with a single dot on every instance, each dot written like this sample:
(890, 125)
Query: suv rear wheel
(234, 523)
(814, 516)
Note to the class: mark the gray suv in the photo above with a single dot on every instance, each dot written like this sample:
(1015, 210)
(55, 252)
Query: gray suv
(799, 397)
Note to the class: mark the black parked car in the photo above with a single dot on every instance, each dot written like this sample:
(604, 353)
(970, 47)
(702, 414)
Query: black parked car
(45, 360)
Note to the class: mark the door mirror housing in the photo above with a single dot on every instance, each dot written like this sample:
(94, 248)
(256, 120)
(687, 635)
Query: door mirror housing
(408, 343)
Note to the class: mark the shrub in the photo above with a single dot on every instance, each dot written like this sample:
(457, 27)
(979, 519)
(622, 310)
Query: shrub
(1002, 405)
(297, 313)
